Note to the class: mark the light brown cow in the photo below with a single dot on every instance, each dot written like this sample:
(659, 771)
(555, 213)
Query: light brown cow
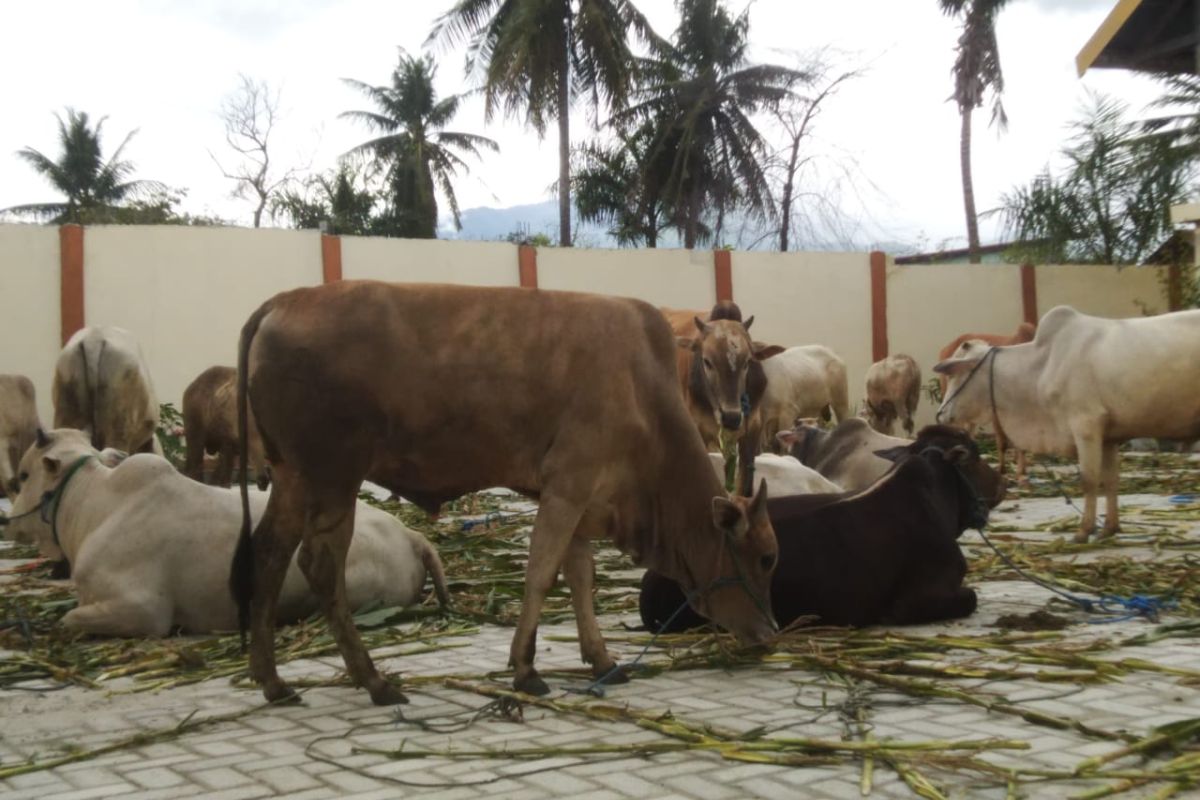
(210, 426)
(434, 391)
(721, 375)
(18, 426)
(102, 385)
(1024, 333)
(893, 389)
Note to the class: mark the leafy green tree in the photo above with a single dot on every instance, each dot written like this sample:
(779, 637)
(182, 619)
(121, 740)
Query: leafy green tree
(419, 156)
(611, 187)
(339, 199)
(93, 185)
(531, 55)
(1112, 203)
(699, 93)
(976, 73)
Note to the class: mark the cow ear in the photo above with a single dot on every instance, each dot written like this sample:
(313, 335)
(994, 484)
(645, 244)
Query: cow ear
(959, 454)
(758, 506)
(111, 457)
(955, 366)
(728, 518)
(43, 441)
(748, 322)
(789, 439)
(893, 453)
(764, 351)
(701, 325)
(51, 464)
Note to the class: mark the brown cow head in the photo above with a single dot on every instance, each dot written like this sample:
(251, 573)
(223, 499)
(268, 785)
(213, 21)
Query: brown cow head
(722, 356)
(961, 451)
(737, 595)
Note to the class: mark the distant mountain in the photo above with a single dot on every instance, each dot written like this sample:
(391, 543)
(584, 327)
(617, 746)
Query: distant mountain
(495, 224)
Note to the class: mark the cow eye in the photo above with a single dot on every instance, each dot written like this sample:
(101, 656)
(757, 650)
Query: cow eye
(24, 476)
(767, 561)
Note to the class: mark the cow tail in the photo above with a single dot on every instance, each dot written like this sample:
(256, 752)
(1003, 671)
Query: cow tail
(91, 384)
(241, 573)
(433, 565)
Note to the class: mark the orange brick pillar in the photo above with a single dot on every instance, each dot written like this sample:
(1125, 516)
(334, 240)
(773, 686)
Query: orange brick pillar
(1029, 305)
(527, 266)
(331, 258)
(879, 320)
(70, 255)
(723, 272)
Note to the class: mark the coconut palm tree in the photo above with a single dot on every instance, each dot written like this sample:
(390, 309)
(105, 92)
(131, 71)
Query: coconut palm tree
(93, 186)
(700, 92)
(976, 72)
(419, 156)
(530, 56)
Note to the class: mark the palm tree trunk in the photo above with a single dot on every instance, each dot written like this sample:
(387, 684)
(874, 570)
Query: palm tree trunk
(969, 188)
(785, 202)
(564, 154)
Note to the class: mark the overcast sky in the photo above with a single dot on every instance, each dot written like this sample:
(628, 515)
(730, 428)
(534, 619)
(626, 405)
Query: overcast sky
(163, 68)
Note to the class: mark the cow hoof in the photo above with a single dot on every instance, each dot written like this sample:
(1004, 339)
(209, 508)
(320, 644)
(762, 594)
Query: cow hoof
(1082, 537)
(1108, 533)
(280, 694)
(385, 694)
(612, 675)
(532, 684)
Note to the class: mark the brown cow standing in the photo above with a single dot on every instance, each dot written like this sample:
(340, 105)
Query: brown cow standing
(435, 391)
(721, 375)
(18, 427)
(210, 426)
(1024, 333)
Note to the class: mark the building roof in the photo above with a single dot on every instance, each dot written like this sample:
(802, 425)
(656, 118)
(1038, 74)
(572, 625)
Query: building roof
(991, 252)
(1146, 36)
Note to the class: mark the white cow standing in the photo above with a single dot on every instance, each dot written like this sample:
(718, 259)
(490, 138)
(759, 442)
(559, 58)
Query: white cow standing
(804, 381)
(1082, 387)
(18, 423)
(150, 548)
(893, 390)
(102, 385)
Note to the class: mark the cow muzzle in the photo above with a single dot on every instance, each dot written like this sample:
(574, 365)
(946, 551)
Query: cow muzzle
(731, 420)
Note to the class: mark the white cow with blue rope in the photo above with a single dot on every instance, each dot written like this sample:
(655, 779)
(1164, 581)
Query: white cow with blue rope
(1082, 387)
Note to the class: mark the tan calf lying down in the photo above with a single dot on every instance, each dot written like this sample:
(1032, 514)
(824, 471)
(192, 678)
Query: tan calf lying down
(150, 549)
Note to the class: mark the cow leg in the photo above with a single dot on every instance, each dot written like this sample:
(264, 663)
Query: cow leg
(553, 531)
(193, 465)
(580, 572)
(223, 473)
(1090, 450)
(1021, 478)
(932, 604)
(1001, 447)
(275, 540)
(327, 533)
(1110, 481)
(120, 617)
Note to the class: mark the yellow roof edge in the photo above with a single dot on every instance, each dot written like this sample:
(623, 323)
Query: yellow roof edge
(1121, 12)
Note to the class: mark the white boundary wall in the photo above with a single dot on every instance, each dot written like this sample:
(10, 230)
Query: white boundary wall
(185, 292)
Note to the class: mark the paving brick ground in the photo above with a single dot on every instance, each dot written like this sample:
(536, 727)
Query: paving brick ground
(286, 751)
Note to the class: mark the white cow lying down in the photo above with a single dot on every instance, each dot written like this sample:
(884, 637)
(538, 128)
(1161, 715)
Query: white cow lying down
(150, 549)
(784, 475)
(1082, 387)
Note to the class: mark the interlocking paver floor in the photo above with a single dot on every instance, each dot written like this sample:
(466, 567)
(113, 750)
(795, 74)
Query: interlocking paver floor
(316, 750)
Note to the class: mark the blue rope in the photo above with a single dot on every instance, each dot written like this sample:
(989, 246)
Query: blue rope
(1139, 605)
(487, 519)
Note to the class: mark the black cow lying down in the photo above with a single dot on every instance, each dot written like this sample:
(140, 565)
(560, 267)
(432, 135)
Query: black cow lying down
(887, 554)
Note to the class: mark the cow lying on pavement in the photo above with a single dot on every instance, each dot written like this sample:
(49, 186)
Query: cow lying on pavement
(1082, 387)
(150, 548)
(849, 454)
(885, 555)
(784, 474)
